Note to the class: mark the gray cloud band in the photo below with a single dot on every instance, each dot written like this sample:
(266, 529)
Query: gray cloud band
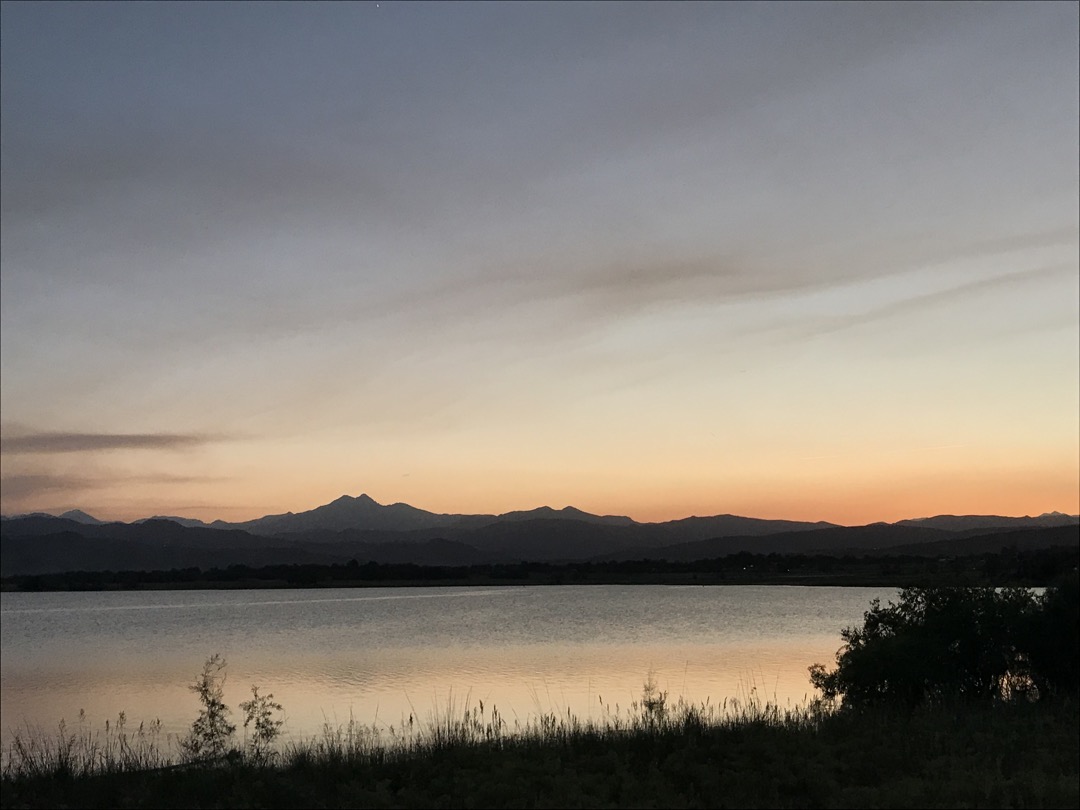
(91, 442)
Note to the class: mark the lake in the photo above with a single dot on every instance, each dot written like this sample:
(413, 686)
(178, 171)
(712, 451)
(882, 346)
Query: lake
(381, 654)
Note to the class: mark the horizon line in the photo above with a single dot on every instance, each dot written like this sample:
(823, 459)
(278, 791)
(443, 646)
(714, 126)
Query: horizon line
(58, 512)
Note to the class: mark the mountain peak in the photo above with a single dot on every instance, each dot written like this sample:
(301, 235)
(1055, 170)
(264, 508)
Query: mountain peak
(349, 500)
(79, 516)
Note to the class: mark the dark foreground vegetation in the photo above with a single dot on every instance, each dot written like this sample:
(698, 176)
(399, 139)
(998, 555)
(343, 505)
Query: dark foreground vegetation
(950, 697)
(1009, 566)
(1022, 755)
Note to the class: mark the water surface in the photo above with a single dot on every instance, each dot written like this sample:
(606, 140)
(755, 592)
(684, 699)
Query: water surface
(381, 654)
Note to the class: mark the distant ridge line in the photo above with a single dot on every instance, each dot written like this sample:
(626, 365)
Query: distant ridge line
(361, 529)
(364, 512)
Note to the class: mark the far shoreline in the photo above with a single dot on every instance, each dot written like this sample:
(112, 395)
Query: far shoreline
(8, 586)
(1007, 567)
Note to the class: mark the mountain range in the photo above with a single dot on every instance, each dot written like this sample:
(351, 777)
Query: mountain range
(362, 529)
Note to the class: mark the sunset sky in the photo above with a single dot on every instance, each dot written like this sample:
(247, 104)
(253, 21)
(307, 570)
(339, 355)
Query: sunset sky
(791, 260)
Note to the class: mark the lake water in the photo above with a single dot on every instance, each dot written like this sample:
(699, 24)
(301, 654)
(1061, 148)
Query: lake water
(379, 655)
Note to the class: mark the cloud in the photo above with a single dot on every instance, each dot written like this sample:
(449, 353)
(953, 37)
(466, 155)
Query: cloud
(589, 294)
(23, 492)
(17, 487)
(93, 442)
(958, 293)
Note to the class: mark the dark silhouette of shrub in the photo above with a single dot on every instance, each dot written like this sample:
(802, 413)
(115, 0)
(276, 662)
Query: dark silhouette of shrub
(259, 712)
(211, 733)
(939, 643)
(1050, 637)
(211, 737)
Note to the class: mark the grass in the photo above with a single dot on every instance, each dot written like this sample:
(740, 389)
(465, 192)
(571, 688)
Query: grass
(82, 752)
(742, 753)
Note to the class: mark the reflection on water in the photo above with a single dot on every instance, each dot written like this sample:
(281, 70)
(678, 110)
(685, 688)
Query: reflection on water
(380, 655)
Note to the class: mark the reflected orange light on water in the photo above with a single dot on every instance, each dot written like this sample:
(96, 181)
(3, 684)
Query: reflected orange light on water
(591, 683)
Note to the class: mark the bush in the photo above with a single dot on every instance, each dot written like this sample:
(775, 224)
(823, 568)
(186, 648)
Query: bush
(937, 643)
(211, 732)
(1051, 639)
(259, 711)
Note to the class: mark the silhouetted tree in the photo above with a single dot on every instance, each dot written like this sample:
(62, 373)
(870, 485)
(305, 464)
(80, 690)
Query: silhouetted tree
(934, 643)
(1050, 637)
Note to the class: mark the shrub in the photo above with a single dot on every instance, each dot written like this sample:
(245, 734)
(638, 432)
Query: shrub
(1051, 639)
(654, 708)
(932, 644)
(211, 733)
(259, 711)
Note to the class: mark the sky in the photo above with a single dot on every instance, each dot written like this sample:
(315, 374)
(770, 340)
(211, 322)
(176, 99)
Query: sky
(810, 261)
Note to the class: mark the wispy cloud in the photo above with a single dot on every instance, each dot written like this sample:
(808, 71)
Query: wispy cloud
(919, 302)
(94, 442)
(24, 491)
(24, 486)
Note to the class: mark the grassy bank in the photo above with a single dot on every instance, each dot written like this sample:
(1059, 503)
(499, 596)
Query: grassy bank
(1004, 755)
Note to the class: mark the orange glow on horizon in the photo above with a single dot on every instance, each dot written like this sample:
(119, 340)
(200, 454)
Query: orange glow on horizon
(856, 502)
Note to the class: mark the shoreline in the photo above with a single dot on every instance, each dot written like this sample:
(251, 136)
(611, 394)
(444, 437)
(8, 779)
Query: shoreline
(1009, 567)
(824, 581)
